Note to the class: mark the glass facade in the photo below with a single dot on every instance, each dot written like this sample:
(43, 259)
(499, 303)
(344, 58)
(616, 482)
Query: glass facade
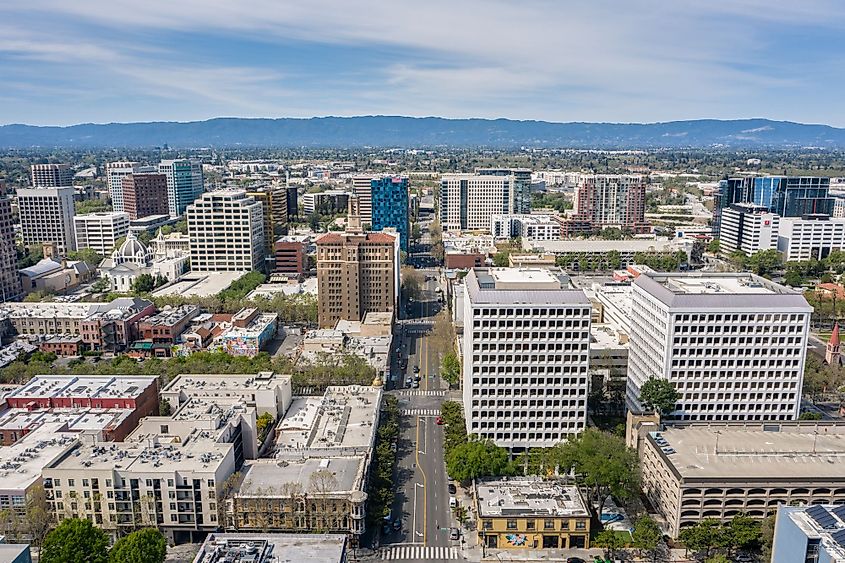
(390, 206)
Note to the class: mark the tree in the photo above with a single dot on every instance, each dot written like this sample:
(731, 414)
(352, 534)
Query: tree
(659, 395)
(164, 408)
(718, 558)
(713, 246)
(610, 541)
(477, 458)
(765, 262)
(75, 540)
(743, 532)
(793, 278)
(647, 536)
(38, 518)
(767, 537)
(144, 283)
(500, 259)
(87, 255)
(101, 285)
(141, 546)
(264, 423)
(602, 464)
(702, 537)
(611, 233)
(810, 415)
(450, 368)
(836, 261)
(412, 282)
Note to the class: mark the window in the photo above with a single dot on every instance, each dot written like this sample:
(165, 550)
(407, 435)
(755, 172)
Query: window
(548, 524)
(487, 525)
(580, 525)
(511, 524)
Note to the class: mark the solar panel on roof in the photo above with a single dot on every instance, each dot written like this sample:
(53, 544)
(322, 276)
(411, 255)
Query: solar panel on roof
(839, 537)
(822, 517)
(839, 511)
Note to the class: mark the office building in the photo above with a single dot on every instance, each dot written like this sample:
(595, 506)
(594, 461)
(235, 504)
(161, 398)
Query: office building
(184, 183)
(291, 256)
(533, 227)
(384, 203)
(526, 356)
(720, 471)
(46, 216)
(51, 175)
(100, 231)
(272, 548)
(531, 513)
(809, 533)
(467, 201)
(330, 202)
(10, 283)
(293, 201)
(115, 174)
(733, 345)
(362, 187)
(144, 194)
(611, 200)
(748, 229)
(808, 237)
(357, 272)
(226, 229)
(274, 205)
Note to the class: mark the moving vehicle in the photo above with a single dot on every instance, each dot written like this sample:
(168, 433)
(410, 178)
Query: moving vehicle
(438, 420)
(454, 533)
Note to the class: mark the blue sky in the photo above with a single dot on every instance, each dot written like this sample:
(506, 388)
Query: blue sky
(75, 61)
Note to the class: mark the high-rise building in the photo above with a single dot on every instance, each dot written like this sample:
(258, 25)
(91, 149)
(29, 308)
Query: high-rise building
(100, 231)
(389, 207)
(468, 200)
(46, 215)
(733, 345)
(184, 183)
(357, 272)
(226, 229)
(616, 200)
(10, 282)
(274, 203)
(115, 173)
(293, 201)
(51, 175)
(808, 237)
(748, 229)
(143, 194)
(363, 188)
(526, 356)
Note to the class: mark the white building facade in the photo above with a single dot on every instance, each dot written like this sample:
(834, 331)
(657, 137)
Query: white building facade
(748, 229)
(115, 173)
(100, 231)
(733, 345)
(467, 201)
(526, 356)
(46, 215)
(533, 227)
(803, 239)
(226, 229)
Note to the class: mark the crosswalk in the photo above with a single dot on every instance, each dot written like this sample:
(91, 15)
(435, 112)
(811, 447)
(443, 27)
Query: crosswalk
(420, 412)
(422, 392)
(420, 552)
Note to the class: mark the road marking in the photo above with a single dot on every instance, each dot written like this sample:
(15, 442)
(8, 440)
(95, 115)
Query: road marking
(422, 553)
(420, 412)
(422, 393)
(425, 483)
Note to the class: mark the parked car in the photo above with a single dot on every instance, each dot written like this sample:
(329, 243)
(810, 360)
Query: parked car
(453, 502)
(397, 524)
(454, 533)
(416, 369)
(438, 420)
(452, 489)
(415, 384)
(409, 382)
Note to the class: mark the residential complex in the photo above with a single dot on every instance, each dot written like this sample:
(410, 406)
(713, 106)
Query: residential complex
(611, 200)
(46, 216)
(532, 227)
(226, 230)
(733, 345)
(809, 533)
(467, 201)
(144, 194)
(531, 513)
(51, 175)
(748, 229)
(184, 183)
(10, 283)
(100, 231)
(526, 356)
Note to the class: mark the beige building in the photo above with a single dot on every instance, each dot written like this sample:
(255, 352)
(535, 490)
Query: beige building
(274, 204)
(722, 470)
(357, 272)
(100, 231)
(226, 230)
(51, 175)
(46, 216)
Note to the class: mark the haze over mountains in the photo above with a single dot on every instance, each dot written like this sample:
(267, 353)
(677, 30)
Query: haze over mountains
(390, 131)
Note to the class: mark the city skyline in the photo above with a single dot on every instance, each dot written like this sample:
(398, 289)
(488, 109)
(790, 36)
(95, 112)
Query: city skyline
(87, 61)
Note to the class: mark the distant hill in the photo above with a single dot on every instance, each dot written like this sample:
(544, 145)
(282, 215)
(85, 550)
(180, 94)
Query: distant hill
(387, 131)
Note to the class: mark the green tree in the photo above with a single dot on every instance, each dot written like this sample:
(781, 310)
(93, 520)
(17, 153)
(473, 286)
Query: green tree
(602, 464)
(765, 262)
(718, 558)
(164, 407)
(610, 541)
(477, 458)
(647, 537)
(614, 260)
(101, 285)
(450, 368)
(713, 246)
(836, 261)
(37, 518)
(142, 546)
(659, 395)
(264, 423)
(810, 415)
(75, 540)
(87, 255)
(743, 532)
(500, 259)
(611, 233)
(767, 537)
(144, 283)
(701, 537)
(412, 282)
(793, 278)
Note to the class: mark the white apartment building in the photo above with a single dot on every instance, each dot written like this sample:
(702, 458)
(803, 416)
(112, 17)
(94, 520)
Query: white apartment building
(226, 229)
(115, 172)
(526, 356)
(733, 345)
(46, 215)
(802, 239)
(748, 229)
(100, 231)
(467, 201)
(51, 175)
(533, 227)
(362, 187)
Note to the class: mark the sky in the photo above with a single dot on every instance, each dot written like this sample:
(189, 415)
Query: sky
(78, 61)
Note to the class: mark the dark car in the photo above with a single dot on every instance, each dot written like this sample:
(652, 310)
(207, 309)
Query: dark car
(409, 382)
(397, 525)
(452, 489)
(575, 560)
(416, 369)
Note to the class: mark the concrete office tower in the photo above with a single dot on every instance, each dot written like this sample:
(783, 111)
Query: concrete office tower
(115, 173)
(615, 200)
(144, 194)
(100, 231)
(749, 229)
(274, 204)
(226, 229)
(362, 187)
(184, 183)
(51, 175)
(10, 282)
(46, 215)
(733, 345)
(357, 272)
(467, 201)
(526, 356)
(811, 236)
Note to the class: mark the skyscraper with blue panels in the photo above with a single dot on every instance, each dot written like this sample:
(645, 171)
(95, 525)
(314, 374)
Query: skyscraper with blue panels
(390, 206)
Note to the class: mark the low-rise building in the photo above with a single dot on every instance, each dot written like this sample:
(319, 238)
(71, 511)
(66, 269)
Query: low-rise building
(531, 513)
(748, 228)
(809, 533)
(291, 256)
(530, 226)
(54, 276)
(803, 238)
(574, 255)
(62, 345)
(160, 332)
(272, 548)
(266, 391)
(531, 260)
(249, 332)
(100, 231)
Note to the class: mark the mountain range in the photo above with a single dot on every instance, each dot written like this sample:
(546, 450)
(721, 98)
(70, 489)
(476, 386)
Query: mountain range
(393, 131)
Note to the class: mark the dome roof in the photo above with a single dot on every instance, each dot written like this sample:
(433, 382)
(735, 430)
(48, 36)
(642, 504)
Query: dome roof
(132, 250)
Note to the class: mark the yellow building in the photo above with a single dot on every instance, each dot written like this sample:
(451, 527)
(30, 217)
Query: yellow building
(274, 203)
(531, 513)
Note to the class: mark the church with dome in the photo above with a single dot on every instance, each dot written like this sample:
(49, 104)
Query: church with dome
(133, 258)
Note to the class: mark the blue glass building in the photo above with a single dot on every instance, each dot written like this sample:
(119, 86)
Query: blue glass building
(390, 206)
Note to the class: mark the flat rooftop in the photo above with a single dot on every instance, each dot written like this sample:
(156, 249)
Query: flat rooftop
(627, 245)
(269, 477)
(22, 462)
(522, 286)
(211, 383)
(171, 316)
(201, 284)
(273, 548)
(754, 452)
(75, 420)
(59, 386)
(529, 496)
